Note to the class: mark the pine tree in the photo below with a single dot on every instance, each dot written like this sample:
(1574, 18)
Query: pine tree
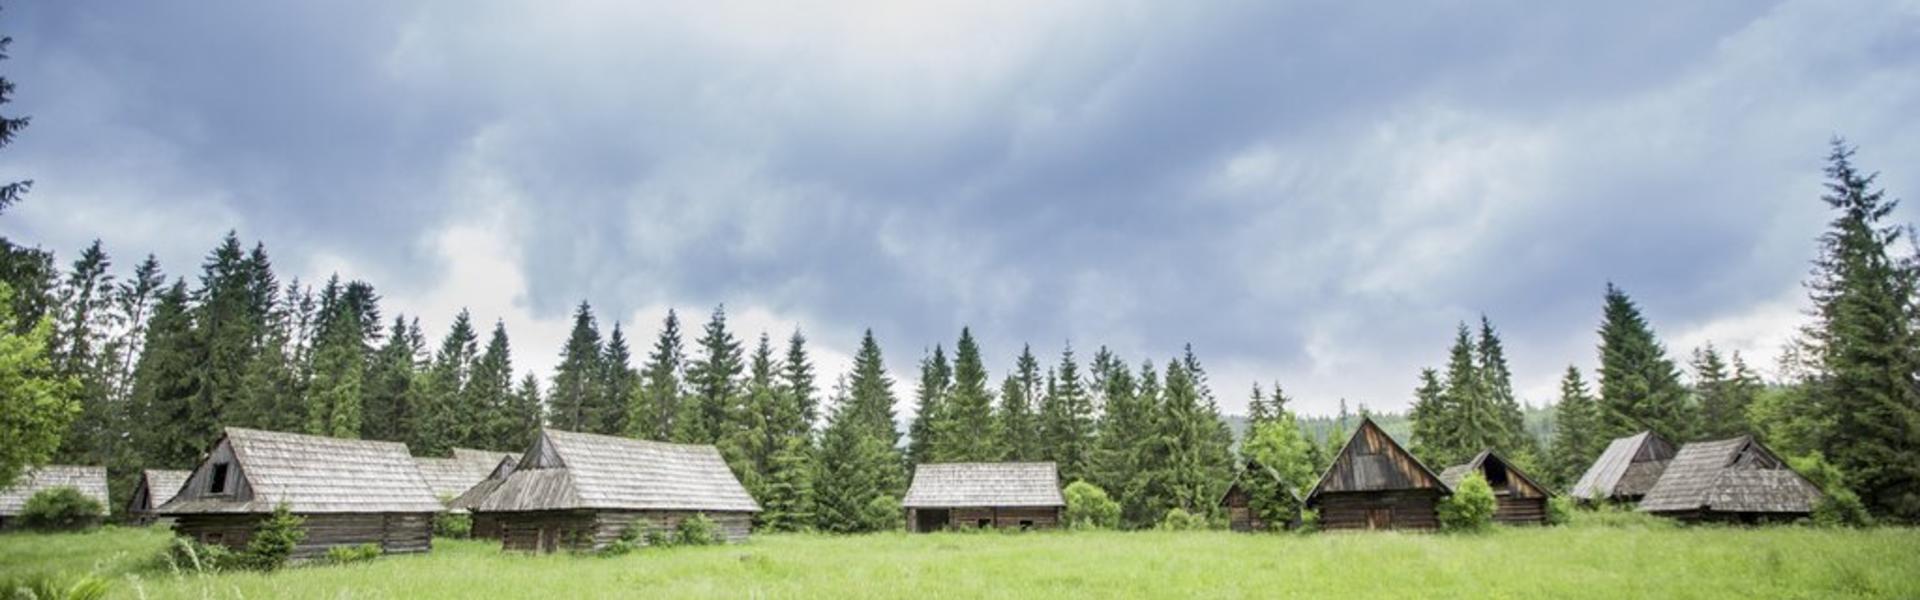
(936, 382)
(860, 460)
(1184, 465)
(1068, 420)
(1639, 386)
(657, 401)
(1019, 426)
(1258, 412)
(229, 324)
(80, 351)
(1428, 417)
(495, 424)
(1510, 437)
(529, 411)
(966, 433)
(166, 382)
(574, 391)
(1722, 395)
(1575, 425)
(1864, 344)
(339, 372)
(789, 499)
(713, 406)
(134, 301)
(394, 389)
(796, 384)
(442, 424)
(1122, 423)
(618, 381)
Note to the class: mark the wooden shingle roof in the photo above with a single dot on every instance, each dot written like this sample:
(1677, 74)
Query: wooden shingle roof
(960, 485)
(1628, 467)
(90, 481)
(567, 470)
(1733, 475)
(450, 477)
(161, 485)
(471, 498)
(312, 474)
(1488, 459)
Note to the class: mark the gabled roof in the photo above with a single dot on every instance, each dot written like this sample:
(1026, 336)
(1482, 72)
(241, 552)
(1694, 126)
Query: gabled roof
(311, 474)
(960, 485)
(567, 470)
(1375, 463)
(451, 477)
(471, 498)
(1452, 475)
(90, 481)
(162, 484)
(1732, 475)
(1628, 467)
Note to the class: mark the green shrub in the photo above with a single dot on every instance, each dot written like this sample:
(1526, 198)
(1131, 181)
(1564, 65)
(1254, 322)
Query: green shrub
(1088, 507)
(658, 538)
(883, 513)
(452, 525)
(697, 530)
(1560, 510)
(274, 539)
(1179, 519)
(1309, 521)
(631, 538)
(1840, 507)
(47, 587)
(1470, 508)
(344, 555)
(60, 509)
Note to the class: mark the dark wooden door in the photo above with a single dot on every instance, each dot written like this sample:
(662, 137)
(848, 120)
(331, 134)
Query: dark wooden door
(1379, 518)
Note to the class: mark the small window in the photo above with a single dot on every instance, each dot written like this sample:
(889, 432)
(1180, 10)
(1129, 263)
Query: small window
(984, 523)
(217, 480)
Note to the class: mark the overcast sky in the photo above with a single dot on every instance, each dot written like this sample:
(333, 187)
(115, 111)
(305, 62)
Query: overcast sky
(1308, 192)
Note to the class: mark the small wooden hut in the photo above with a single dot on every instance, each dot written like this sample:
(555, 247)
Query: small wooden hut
(582, 490)
(1626, 470)
(90, 481)
(1238, 501)
(1521, 500)
(350, 492)
(1374, 483)
(1733, 480)
(984, 495)
(485, 525)
(156, 487)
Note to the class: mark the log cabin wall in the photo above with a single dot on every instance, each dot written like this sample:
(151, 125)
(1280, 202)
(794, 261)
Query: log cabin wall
(1521, 510)
(395, 533)
(548, 531)
(1401, 509)
(1047, 517)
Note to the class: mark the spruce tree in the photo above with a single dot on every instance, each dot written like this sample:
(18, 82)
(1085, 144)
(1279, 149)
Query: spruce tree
(657, 401)
(1068, 421)
(1429, 419)
(495, 423)
(228, 324)
(1721, 394)
(339, 372)
(966, 432)
(1864, 344)
(1510, 437)
(713, 406)
(442, 424)
(81, 351)
(1640, 388)
(1019, 426)
(134, 301)
(796, 384)
(619, 383)
(574, 380)
(393, 387)
(1258, 412)
(166, 382)
(789, 498)
(1183, 465)
(1575, 425)
(936, 382)
(529, 411)
(1122, 424)
(860, 460)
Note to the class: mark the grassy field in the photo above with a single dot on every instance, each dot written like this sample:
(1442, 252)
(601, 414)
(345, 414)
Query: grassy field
(1571, 562)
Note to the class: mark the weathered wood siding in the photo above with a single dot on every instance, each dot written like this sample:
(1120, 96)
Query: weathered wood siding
(199, 483)
(1404, 509)
(1240, 513)
(1004, 517)
(1372, 461)
(1521, 510)
(486, 526)
(395, 533)
(547, 531)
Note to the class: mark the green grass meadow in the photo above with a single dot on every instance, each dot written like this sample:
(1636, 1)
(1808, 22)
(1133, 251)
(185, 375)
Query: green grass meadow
(1583, 561)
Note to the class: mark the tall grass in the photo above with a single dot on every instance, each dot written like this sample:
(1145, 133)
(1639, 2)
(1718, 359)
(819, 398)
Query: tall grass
(1614, 558)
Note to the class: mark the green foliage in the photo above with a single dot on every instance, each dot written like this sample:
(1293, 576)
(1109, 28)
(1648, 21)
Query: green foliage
(1067, 420)
(1019, 424)
(1124, 425)
(1474, 408)
(1470, 508)
(1613, 516)
(883, 513)
(936, 383)
(789, 497)
(965, 431)
(1724, 392)
(1575, 437)
(576, 400)
(1840, 506)
(346, 555)
(656, 538)
(1188, 460)
(36, 405)
(185, 555)
(859, 455)
(1560, 510)
(48, 587)
(1639, 386)
(1309, 521)
(1178, 519)
(452, 525)
(697, 530)
(60, 509)
(656, 401)
(1088, 507)
(274, 539)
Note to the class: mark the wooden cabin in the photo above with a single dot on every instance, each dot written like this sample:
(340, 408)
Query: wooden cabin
(1734, 480)
(1626, 470)
(984, 495)
(581, 491)
(90, 481)
(155, 487)
(451, 477)
(351, 492)
(1238, 501)
(1374, 483)
(1521, 500)
(486, 526)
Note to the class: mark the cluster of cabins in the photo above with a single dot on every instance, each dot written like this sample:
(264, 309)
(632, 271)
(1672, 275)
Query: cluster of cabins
(580, 491)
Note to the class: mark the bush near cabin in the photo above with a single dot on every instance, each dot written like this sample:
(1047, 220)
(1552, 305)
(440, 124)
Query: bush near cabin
(1470, 508)
(60, 509)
